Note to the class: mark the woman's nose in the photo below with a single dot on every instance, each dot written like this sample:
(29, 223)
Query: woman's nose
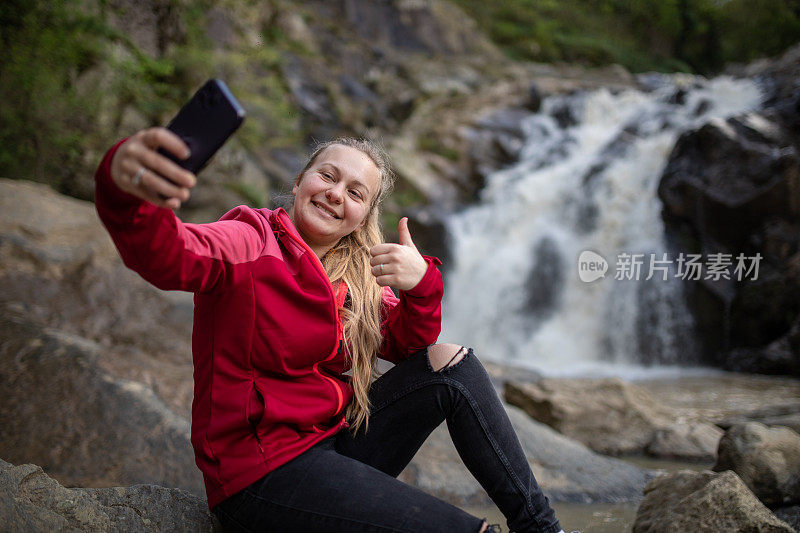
(334, 194)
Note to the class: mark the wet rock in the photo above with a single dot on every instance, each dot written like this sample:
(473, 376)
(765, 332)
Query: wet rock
(545, 281)
(495, 140)
(564, 116)
(790, 515)
(62, 411)
(731, 187)
(767, 459)
(703, 107)
(728, 176)
(678, 97)
(703, 502)
(694, 442)
(610, 416)
(534, 101)
(30, 500)
(781, 85)
(778, 357)
(566, 470)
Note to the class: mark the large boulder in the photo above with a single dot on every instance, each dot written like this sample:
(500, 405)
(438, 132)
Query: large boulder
(30, 500)
(697, 440)
(778, 357)
(86, 427)
(613, 417)
(608, 415)
(731, 187)
(59, 268)
(566, 470)
(767, 459)
(703, 502)
(728, 177)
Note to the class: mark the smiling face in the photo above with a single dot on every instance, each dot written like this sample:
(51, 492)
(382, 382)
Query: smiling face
(334, 196)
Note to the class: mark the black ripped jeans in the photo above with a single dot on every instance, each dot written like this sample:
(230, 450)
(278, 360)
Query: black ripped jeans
(348, 483)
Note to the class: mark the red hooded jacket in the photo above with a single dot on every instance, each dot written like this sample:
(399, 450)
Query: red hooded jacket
(268, 368)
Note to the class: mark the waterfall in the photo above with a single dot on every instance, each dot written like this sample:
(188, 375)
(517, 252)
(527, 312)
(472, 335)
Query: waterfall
(586, 180)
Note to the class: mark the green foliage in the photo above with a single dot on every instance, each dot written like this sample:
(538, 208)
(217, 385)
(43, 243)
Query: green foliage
(667, 35)
(68, 79)
(46, 47)
(755, 28)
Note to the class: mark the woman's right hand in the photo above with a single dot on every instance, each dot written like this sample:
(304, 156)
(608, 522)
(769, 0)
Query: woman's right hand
(138, 169)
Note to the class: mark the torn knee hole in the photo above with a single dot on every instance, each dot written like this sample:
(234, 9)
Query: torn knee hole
(455, 359)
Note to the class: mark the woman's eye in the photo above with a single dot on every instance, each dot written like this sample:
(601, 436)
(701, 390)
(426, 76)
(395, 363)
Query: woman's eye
(326, 176)
(356, 193)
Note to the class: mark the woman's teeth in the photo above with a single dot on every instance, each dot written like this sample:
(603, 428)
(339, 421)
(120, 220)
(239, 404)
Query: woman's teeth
(325, 211)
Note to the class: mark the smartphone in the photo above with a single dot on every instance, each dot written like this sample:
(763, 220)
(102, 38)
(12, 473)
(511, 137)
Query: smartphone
(205, 123)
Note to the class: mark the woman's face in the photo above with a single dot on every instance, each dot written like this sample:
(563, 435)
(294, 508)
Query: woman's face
(333, 197)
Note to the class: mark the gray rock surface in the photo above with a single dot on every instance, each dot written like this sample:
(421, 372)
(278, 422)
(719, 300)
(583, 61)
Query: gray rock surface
(613, 417)
(703, 502)
(31, 501)
(767, 459)
(610, 416)
(566, 470)
(779, 415)
(790, 515)
(696, 441)
(60, 410)
(59, 268)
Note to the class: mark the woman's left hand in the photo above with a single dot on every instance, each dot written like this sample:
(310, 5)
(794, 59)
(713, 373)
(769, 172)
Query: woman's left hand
(398, 265)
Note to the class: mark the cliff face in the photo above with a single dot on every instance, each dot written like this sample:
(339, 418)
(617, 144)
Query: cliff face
(305, 72)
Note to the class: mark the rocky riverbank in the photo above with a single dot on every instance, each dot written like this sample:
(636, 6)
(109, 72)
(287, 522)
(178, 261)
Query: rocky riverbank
(95, 372)
(78, 329)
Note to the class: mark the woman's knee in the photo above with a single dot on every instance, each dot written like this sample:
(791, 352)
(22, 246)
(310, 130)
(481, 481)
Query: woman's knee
(445, 355)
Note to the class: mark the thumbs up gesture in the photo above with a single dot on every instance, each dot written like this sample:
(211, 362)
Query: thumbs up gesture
(398, 265)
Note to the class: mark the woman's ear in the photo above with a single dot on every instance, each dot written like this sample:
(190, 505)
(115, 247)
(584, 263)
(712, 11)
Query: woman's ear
(297, 183)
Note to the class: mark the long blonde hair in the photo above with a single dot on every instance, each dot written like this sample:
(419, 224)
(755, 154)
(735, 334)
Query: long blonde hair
(348, 261)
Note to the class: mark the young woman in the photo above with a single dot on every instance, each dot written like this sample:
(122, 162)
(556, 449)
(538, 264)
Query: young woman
(291, 311)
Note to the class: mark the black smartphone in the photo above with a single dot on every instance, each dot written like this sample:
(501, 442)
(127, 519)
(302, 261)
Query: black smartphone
(205, 123)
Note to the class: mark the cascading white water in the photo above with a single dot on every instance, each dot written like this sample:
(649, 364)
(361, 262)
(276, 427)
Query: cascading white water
(590, 183)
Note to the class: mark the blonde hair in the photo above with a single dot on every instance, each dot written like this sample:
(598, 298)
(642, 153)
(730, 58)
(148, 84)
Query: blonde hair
(348, 261)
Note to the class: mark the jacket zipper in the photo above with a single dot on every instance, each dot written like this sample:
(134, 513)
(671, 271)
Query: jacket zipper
(321, 270)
